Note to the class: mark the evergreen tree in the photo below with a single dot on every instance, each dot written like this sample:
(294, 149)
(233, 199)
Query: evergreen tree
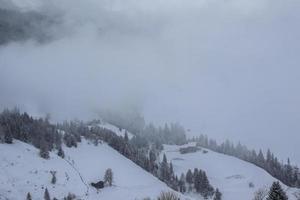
(189, 177)
(8, 137)
(28, 197)
(46, 195)
(126, 137)
(276, 192)
(218, 195)
(181, 183)
(260, 158)
(164, 170)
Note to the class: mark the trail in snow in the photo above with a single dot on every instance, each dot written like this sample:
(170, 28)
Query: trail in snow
(81, 177)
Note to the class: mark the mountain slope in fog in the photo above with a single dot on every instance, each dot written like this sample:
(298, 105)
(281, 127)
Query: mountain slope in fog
(22, 171)
(231, 175)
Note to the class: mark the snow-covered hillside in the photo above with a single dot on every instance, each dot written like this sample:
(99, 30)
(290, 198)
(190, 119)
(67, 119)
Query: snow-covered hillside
(22, 171)
(231, 175)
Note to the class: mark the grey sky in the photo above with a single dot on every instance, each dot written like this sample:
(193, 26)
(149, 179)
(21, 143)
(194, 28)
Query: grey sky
(229, 69)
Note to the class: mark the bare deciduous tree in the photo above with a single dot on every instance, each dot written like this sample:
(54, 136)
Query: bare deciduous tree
(260, 194)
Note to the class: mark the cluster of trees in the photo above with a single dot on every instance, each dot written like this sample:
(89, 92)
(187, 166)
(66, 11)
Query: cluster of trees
(38, 132)
(195, 181)
(130, 120)
(198, 182)
(286, 173)
(172, 133)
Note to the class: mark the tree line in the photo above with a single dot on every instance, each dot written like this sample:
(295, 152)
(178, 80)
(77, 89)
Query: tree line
(286, 173)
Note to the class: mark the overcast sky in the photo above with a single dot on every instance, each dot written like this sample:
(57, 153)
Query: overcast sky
(226, 68)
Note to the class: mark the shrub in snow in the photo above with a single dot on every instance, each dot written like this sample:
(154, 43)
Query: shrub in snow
(168, 196)
(260, 194)
(53, 180)
(44, 153)
(70, 197)
(61, 153)
(251, 185)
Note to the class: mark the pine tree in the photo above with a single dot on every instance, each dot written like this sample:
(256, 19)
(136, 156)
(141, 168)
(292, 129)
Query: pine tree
(164, 169)
(126, 137)
(276, 192)
(8, 137)
(261, 158)
(46, 195)
(181, 184)
(189, 177)
(28, 197)
(218, 195)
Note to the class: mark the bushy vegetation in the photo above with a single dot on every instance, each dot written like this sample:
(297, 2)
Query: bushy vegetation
(168, 196)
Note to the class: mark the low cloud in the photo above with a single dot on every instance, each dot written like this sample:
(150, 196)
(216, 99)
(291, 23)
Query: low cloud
(225, 68)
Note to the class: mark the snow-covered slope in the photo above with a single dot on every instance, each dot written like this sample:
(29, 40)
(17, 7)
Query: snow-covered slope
(231, 175)
(22, 171)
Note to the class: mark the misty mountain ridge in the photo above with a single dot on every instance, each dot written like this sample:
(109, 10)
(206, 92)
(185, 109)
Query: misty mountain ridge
(149, 100)
(80, 149)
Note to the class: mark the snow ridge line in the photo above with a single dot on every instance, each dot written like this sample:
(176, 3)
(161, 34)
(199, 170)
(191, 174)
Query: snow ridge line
(79, 174)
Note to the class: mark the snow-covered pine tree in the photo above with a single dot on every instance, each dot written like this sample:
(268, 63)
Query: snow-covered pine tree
(276, 192)
(218, 195)
(189, 179)
(181, 183)
(46, 195)
(164, 169)
(28, 197)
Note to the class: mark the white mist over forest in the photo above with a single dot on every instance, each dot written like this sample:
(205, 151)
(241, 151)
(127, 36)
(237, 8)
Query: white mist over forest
(228, 69)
